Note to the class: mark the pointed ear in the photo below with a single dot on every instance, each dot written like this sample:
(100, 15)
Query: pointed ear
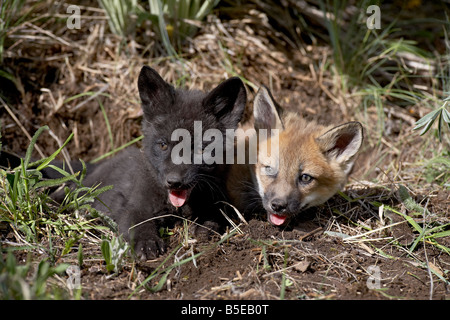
(156, 94)
(265, 111)
(342, 143)
(227, 101)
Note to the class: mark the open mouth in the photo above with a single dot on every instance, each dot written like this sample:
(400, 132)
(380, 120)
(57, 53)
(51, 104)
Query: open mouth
(178, 197)
(276, 219)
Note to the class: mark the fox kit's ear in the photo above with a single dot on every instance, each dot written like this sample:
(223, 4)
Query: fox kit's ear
(342, 143)
(227, 101)
(156, 94)
(265, 111)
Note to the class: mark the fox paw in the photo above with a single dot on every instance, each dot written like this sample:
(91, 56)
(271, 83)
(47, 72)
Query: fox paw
(206, 230)
(149, 248)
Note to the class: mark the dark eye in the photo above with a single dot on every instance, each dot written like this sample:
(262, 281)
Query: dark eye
(163, 145)
(305, 178)
(269, 171)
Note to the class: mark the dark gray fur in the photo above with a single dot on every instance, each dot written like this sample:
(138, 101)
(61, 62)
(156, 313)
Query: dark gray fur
(140, 177)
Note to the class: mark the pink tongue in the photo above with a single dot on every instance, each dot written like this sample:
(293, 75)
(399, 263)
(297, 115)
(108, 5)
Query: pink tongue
(177, 197)
(276, 219)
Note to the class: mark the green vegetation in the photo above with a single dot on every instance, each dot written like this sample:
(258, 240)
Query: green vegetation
(38, 223)
(173, 20)
(114, 251)
(15, 284)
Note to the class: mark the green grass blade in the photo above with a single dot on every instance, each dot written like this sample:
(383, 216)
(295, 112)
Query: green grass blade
(31, 146)
(89, 94)
(54, 182)
(108, 126)
(117, 149)
(439, 234)
(53, 156)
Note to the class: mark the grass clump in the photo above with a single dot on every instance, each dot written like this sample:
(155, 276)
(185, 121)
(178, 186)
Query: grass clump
(18, 283)
(9, 17)
(28, 209)
(373, 64)
(120, 15)
(178, 20)
(39, 224)
(173, 21)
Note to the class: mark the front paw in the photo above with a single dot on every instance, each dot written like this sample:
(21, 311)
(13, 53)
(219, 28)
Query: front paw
(149, 248)
(206, 231)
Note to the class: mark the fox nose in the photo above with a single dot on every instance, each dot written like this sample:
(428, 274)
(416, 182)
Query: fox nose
(278, 205)
(173, 181)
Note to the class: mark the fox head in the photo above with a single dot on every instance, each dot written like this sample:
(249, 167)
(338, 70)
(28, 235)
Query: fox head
(166, 110)
(301, 164)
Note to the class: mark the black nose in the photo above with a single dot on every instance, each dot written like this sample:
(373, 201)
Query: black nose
(278, 205)
(173, 181)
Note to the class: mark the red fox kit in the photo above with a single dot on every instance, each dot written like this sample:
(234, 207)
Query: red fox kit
(300, 165)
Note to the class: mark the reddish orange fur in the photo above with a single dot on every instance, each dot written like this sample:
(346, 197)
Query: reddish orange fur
(302, 150)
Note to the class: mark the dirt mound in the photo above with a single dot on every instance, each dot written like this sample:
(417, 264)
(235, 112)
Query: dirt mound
(267, 263)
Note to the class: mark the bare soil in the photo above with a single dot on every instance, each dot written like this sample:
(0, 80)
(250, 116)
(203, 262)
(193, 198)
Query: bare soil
(255, 265)
(309, 259)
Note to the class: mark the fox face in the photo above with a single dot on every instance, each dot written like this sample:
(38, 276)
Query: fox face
(167, 110)
(301, 164)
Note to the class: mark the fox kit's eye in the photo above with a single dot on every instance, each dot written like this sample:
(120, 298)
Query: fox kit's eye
(163, 145)
(305, 178)
(269, 171)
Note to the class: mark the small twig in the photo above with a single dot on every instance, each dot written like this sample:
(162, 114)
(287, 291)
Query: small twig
(310, 233)
(48, 33)
(352, 238)
(175, 216)
(241, 217)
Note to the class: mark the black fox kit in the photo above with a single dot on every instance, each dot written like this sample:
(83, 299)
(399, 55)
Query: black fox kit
(307, 163)
(147, 183)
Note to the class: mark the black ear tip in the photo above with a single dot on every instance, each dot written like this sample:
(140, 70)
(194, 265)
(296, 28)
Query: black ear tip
(235, 86)
(144, 69)
(264, 93)
(149, 77)
(357, 126)
(263, 88)
(235, 81)
(147, 72)
(143, 75)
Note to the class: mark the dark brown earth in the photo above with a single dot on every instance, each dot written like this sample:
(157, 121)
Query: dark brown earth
(252, 266)
(311, 259)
